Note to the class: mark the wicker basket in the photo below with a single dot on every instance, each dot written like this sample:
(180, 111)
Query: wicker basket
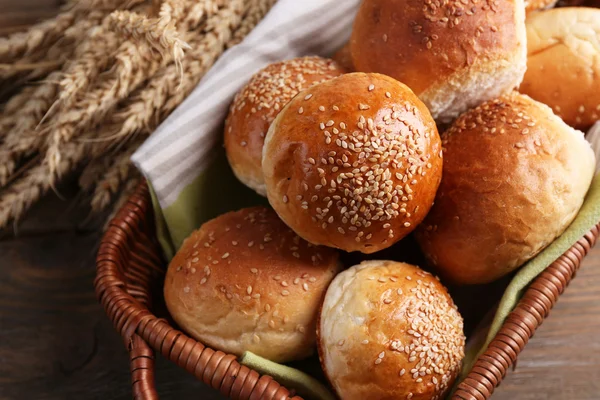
(129, 266)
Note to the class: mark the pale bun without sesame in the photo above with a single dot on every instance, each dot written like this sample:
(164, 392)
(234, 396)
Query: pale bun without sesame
(536, 5)
(353, 163)
(563, 68)
(245, 282)
(453, 56)
(515, 176)
(371, 340)
(257, 104)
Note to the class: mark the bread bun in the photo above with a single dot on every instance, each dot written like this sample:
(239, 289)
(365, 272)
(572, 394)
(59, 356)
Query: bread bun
(535, 5)
(515, 176)
(563, 69)
(245, 282)
(258, 103)
(344, 58)
(389, 330)
(353, 163)
(452, 54)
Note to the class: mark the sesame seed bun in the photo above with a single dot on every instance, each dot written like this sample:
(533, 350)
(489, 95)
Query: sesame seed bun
(515, 176)
(353, 163)
(258, 103)
(245, 282)
(388, 330)
(453, 55)
(344, 58)
(535, 5)
(563, 69)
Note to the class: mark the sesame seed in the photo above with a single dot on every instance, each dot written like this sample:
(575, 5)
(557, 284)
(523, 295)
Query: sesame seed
(308, 96)
(249, 290)
(305, 286)
(225, 255)
(371, 87)
(285, 199)
(312, 279)
(284, 284)
(378, 361)
(285, 293)
(402, 371)
(365, 341)
(186, 289)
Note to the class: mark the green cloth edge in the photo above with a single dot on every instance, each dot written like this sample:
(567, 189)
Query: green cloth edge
(304, 384)
(160, 224)
(212, 193)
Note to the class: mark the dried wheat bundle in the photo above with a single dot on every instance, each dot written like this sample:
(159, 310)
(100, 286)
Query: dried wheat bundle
(120, 67)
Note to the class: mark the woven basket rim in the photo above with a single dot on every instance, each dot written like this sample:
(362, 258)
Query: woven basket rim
(129, 259)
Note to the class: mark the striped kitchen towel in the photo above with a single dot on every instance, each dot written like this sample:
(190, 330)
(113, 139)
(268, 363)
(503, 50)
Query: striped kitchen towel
(184, 145)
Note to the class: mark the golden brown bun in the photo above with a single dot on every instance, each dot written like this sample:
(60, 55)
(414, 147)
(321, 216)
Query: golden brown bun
(534, 5)
(388, 330)
(353, 163)
(563, 70)
(515, 176)
(453, 56)
(258, 103)
(245, 282)
(344, 58)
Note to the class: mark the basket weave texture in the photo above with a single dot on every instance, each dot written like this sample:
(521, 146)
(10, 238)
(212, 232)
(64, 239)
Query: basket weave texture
(129, 265)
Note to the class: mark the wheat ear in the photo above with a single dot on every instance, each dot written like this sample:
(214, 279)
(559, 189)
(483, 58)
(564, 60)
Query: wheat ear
(22, 44)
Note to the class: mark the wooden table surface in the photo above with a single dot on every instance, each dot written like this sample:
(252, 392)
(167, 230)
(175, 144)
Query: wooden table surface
(56, 342)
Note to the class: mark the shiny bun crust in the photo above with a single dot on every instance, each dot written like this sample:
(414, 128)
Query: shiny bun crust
(344, 58)
(353, 163)
(258, 103)
(515, 176)
(453, 54)
(389, 330)
(535, 5)
(563, 69)
(245, 282)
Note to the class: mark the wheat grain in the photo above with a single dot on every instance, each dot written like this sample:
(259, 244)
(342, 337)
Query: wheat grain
(93, 58)
(144, 110)
(92, 172)
(125, 193)
(119, 170)
(134, 64)
(105, 5)
(23, 44)
(23, 139)
(255, 12)
(26, 190)
(159, 33)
